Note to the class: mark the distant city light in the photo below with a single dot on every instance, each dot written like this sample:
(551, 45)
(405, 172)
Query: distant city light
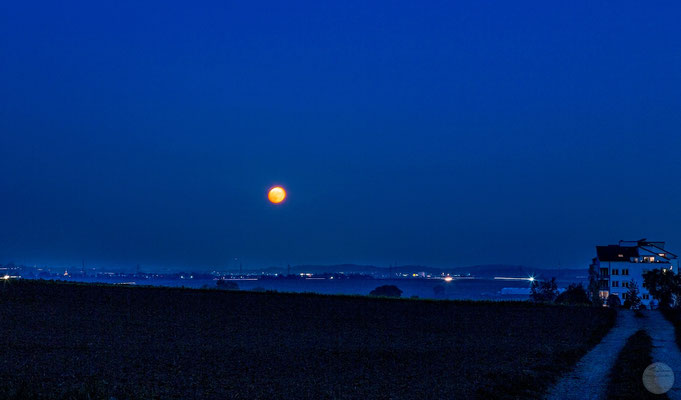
(505, 278)
(6, 277)
(448, 279)
(531, 279)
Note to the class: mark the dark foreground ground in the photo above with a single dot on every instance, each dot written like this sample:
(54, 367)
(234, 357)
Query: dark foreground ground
(94, 341)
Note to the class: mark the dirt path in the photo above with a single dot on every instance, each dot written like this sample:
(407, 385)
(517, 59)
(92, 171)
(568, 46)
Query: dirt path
(665, 348)
(589, 378)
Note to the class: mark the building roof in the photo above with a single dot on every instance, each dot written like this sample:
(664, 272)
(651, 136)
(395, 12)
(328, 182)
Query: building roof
(615, 252)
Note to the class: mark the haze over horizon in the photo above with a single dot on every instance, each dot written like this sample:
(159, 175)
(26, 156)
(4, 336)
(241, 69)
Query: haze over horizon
(440, 135)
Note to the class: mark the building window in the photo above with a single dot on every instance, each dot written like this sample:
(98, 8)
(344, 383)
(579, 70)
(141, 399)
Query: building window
(615, 284)
(646, 296)
(615, 272)
(625, 272)
(624, 296)
(625, 284)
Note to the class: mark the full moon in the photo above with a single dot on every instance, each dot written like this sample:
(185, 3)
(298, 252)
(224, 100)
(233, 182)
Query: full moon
(277, 194)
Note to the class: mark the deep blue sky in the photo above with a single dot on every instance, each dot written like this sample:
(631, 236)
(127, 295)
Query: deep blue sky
(439, 133)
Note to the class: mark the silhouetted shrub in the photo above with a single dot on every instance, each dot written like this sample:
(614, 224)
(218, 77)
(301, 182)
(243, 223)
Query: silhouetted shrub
(545, 291)
(663, 285)
(633, 299)
(227, 285)
(574, 294)
(387, 291)
(614, 301)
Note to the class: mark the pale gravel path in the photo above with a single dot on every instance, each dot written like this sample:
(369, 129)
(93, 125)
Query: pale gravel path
(665, 348)
(589, 378)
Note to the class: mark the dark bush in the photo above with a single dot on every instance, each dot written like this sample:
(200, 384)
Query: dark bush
(614, 301)
(633, 299)
(227, 285)
(663, 285)
(544, 292)
(574, 294)
(387, 291)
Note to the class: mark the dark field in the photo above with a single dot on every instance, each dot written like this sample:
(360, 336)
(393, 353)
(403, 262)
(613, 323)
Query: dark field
(75, 341)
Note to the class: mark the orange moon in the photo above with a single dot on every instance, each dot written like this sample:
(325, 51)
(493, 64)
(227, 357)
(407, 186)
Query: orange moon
(277, 194)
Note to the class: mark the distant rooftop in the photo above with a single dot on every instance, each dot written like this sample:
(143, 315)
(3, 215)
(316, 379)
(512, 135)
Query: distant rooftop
(627, 250)
(615, 252)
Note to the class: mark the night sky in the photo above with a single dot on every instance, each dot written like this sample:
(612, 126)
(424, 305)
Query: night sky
(436, 133)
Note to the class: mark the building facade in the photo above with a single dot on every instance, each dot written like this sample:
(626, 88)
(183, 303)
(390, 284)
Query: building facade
(617, 265)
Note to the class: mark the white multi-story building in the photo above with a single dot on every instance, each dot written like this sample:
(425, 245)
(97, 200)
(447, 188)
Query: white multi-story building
(617, 265)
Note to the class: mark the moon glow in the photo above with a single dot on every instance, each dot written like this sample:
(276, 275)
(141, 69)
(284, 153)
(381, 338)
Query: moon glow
(277, 194)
